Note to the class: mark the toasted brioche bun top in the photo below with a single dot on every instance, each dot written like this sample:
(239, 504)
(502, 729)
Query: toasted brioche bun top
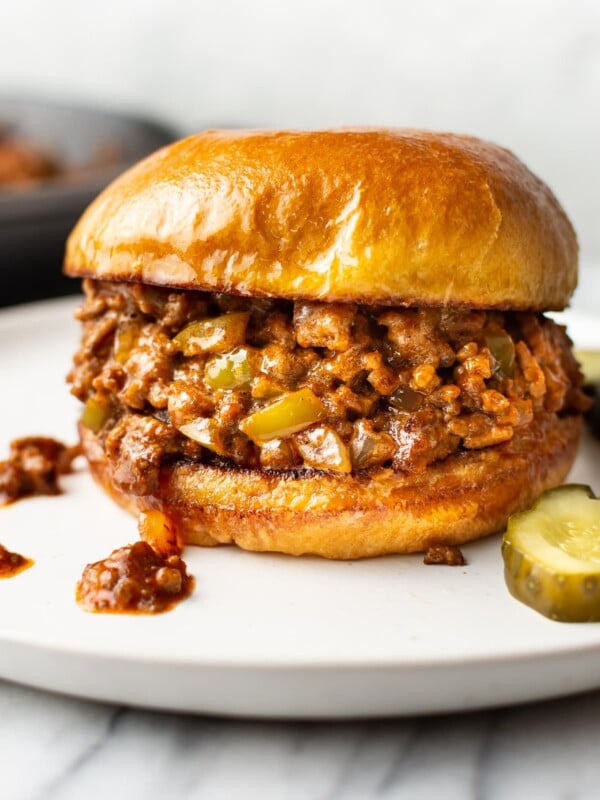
(375, 216)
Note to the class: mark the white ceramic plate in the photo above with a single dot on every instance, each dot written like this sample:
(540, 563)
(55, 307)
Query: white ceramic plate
(263, 635)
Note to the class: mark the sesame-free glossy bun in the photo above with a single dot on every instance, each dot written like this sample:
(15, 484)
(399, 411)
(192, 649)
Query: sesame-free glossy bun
(341, 516)
(395, 217)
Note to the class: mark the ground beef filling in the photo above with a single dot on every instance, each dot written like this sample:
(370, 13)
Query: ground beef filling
(170, 375)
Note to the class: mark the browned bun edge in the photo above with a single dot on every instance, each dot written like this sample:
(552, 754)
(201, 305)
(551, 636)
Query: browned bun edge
(462, 498)
(374, 216)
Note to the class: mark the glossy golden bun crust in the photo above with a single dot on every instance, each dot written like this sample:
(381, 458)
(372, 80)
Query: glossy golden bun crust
(394, 217)
(340, 516)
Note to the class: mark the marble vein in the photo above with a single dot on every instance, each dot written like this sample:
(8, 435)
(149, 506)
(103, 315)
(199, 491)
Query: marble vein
(58, 748)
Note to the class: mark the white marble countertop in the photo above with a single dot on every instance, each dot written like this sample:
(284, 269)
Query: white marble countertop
(58, 748)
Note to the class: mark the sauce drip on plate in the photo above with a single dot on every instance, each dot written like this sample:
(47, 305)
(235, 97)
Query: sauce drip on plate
(33, 467)
(147, 577)
(12, 563)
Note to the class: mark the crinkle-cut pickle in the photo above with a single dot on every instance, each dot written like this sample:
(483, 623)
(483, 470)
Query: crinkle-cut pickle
(552, 555)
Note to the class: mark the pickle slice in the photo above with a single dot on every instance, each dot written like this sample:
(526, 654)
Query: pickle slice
(552, 555)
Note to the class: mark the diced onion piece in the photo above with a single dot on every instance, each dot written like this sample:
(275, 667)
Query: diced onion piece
(205, 431)
(159, 532)
(229, 371)
(322, 448)
(290, 414)
(370, 448)
(215, 335)
(95, 415)
(278, 454)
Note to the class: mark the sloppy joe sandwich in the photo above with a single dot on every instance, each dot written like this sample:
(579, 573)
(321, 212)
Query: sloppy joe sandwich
(327, 342)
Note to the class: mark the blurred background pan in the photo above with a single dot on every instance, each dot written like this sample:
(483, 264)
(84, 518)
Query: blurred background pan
(87, 147)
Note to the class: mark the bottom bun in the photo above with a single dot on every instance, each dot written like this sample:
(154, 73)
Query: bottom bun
(464, 497)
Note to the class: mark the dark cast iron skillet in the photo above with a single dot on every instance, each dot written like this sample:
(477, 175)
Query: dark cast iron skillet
(36, 220)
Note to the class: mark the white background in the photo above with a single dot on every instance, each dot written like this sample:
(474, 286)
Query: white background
(525, 73)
